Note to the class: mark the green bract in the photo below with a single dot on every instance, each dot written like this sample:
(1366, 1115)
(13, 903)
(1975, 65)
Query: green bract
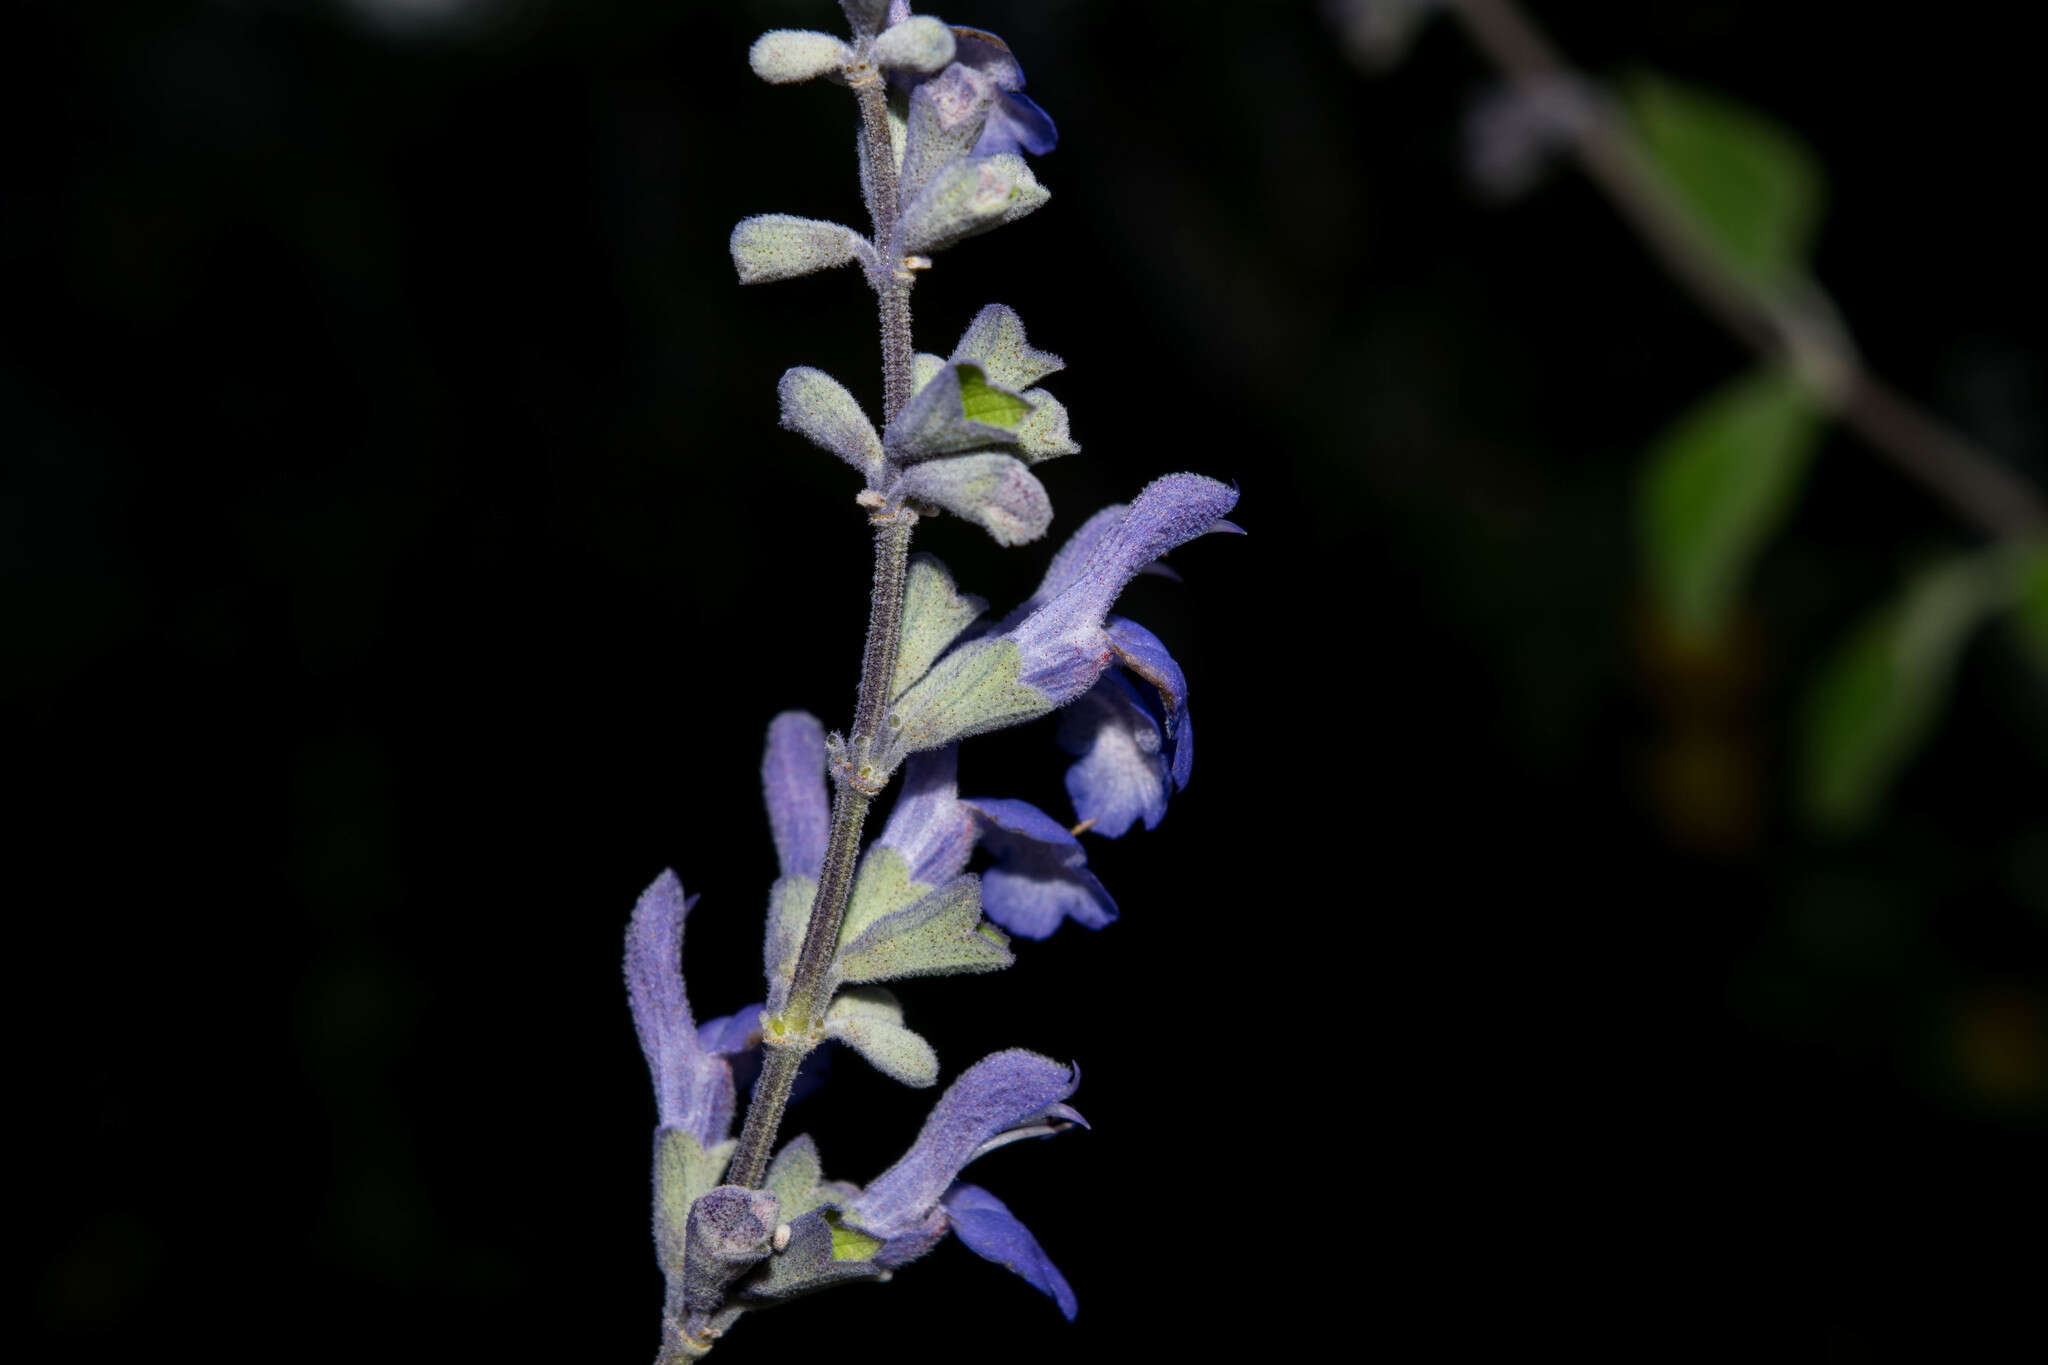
(942, 935)
(776, 246)
(783, 56)
(870, 1021)
(968, 198)
(972, 690)
(934, 614)
(818, 407)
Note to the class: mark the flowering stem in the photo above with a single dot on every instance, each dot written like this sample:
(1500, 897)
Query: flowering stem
(803, 1015)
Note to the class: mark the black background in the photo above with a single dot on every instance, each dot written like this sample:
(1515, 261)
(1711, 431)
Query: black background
(402, 563)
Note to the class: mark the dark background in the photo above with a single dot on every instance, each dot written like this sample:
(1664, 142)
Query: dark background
(402, 563)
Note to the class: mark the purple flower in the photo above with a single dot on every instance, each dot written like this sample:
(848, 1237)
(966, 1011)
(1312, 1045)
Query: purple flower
(1057, 645)
(1015, 122)
(1061, 631)
(1132, 733)
(986, 1227)
(793, 786)
(693, 1088)
(911, 1206)
(1040, 876)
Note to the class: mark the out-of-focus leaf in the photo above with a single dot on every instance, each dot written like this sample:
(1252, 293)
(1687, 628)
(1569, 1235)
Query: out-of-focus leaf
(1876, 701)
(1719, 482)
(2031, 617)
(1755, 189)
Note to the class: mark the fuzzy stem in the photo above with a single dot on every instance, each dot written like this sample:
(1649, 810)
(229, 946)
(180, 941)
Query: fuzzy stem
(893, 280)
(803, 1014)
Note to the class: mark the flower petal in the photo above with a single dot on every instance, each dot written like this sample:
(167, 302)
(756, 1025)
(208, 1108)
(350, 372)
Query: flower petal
(731, 1033)
(693, 1089)
(1122, 775)
(793, 785)
(930, 826)
(1041, 875)
(1062, 641)
(1017, 124)
(987, 1228)
(995, 490)
(998, 1092)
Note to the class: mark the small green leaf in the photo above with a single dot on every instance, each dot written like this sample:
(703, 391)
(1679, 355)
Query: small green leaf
(1876, 701)
(1753, 188)
(2031, 614)
(981, 401)
(851, 1244)
(1718, 483)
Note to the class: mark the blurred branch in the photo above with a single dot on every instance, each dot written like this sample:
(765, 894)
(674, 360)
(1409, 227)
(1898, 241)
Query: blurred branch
(1975, 484)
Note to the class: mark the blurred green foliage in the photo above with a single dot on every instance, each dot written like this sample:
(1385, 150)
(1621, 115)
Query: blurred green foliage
(1751, 186)
(1876, 700)
(1723, 479)
(1719, 483)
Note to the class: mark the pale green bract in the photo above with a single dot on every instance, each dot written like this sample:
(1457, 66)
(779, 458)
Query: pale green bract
(784, 56)
(870, 1021)
(789, 909)
(994, 490)
(818, 407)
(881, 887)
(683, 1170)
(794, 1177)
(967, 198)
(1044, 435)
(995, 341)
(942, 935)
(972, 690)
(778, 246)
(934, 614)
(921, 44)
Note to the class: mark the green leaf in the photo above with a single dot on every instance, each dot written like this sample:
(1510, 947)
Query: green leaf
(981, 401)
(851, 1244)
(1718, 483)
(1875, 702)
(1754, 188)
(2031, 614)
